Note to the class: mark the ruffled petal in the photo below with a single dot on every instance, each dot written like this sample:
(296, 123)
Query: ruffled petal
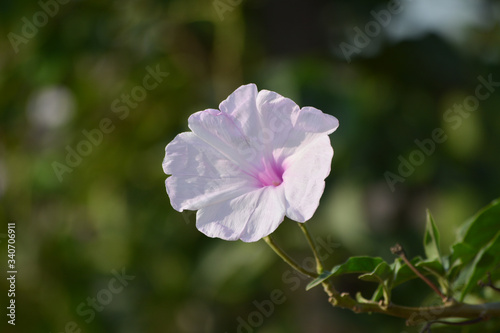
(277, 115)
(201, 175)
(312, 120)
(309, 124)
(188, 155)
(265, 118)
(218, 130)
(193, 193)
(249, 217)
(242, 108)
(304, 177)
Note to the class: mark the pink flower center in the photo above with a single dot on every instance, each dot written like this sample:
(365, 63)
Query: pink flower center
(271, 174)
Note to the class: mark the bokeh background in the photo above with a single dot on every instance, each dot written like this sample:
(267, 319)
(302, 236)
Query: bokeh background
(110, 212)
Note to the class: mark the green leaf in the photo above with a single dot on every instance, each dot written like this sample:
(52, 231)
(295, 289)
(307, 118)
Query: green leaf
(361, 299)
(461, 254)
(378, 293)
(322, 277)
(431, 239)
(352, 265)
(478, 231)
(487, 259)
(434, 267)
(357, 265)
(383, 274)
(403, 273)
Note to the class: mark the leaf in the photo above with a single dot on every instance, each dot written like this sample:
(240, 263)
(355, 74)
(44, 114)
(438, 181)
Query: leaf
(431, 239)
(322, 277)
(361, 299)
(461, 254)
(383, 274)
(434, 267)
(487, 259)
(403, 273)
(352, 265)
(478, 230)
(378, 293)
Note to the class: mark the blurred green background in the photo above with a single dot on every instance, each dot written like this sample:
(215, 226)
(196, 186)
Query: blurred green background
(66, 66)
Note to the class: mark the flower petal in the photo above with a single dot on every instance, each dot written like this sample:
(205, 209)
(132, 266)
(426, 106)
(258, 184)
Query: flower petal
(309, 124)
(201, 175)
(193, 193)
(188, 155)
(304, 177)
(265, 118)
(219, 131)
(248, 217)
(313, 120)
(289, 126)
(277, 115)
(241, 107)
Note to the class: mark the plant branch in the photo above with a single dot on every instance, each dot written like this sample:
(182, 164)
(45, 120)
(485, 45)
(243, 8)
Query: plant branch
(270, 241)
(416, 315)
(312, 244)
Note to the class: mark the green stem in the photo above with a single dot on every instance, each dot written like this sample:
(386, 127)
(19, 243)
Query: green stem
(414, 315)
(270, 241)
(312, 244)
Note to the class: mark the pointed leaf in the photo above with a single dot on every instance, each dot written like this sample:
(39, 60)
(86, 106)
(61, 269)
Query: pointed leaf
(352, 265)
(478, 230)
(487, 259)
(461, 254)
(431, 239)
(322, 277)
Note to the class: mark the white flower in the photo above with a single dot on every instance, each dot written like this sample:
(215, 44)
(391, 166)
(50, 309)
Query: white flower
(245, 167)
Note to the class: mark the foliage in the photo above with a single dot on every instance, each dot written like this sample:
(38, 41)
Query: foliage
(473, 257)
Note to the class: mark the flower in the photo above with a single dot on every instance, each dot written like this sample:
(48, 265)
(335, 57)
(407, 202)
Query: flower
(245, 167)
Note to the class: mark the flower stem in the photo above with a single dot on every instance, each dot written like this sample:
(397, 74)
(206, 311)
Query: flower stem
(270, 241)
(312, 244)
